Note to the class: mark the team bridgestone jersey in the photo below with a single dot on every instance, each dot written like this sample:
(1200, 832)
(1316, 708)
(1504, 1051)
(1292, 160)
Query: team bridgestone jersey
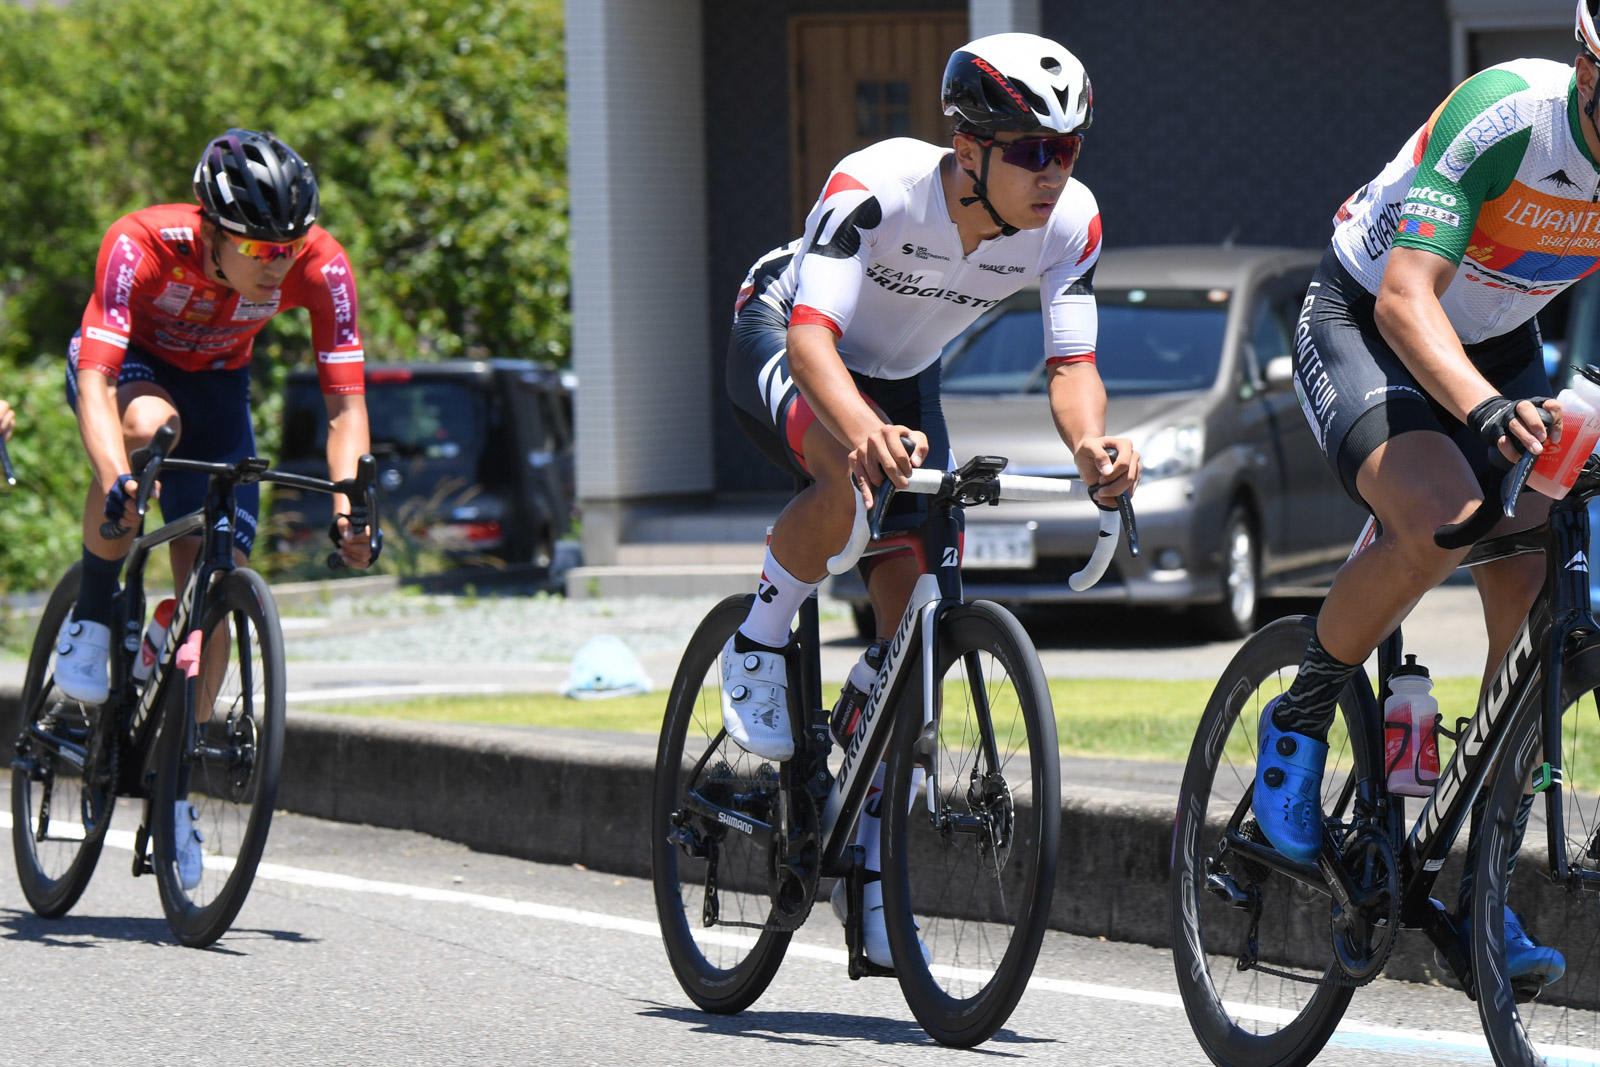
(151, 290)
(1499, 182)
(881, 265)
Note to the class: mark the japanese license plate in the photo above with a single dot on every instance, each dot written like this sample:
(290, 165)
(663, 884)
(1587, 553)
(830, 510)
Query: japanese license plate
(999, 546)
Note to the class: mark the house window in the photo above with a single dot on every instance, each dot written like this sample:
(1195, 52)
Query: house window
(883, 109)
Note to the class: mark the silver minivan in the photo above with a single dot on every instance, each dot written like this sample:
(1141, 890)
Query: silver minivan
(1236, 500)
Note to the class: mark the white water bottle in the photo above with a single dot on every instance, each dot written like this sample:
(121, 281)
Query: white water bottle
(1411, 731)
(155, 639)
(1558, 465)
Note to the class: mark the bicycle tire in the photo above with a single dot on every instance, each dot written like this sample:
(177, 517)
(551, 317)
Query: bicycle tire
(981, 874)
(226, 767)
(1565, 1015)
(721, 973)
(54, 868)
(1222, 1000)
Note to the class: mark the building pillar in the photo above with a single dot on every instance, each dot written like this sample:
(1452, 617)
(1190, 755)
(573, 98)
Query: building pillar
(1003, 16)
(637, 188)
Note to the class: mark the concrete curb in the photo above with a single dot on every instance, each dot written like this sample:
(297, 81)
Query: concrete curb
(571, 796)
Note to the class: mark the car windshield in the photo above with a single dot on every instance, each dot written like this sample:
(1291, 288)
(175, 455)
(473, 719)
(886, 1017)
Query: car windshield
(1150, 341)
(427, 418)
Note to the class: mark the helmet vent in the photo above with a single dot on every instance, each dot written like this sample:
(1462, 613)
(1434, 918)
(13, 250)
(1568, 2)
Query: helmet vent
(1050, 65)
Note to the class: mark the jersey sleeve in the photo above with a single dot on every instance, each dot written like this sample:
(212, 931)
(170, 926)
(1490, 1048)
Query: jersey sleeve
(1066, 291)
(329, 294)
(840, 233)
(1467, 153)
(124, 264)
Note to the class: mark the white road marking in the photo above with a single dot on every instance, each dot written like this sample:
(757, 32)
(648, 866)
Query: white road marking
(1351, 1033)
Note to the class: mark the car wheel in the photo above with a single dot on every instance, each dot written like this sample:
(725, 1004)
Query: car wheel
(1235, 615)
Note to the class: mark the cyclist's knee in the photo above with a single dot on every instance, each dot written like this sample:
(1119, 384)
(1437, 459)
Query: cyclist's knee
(143, 415)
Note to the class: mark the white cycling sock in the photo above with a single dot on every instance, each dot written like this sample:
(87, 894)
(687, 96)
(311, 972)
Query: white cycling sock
(778, 599)
(869, 829)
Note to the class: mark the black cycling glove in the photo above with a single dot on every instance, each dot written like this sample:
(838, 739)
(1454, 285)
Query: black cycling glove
(1492, 419)
(117, 498)
(338, 542)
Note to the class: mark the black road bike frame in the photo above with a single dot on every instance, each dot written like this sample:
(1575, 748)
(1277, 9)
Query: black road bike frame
(1529, 678)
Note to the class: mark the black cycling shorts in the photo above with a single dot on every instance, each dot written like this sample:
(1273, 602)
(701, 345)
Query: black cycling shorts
(773, 414)
(214, 415)
(1357, 393)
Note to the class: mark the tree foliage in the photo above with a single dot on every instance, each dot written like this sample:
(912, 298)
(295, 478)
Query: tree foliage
(436, 129)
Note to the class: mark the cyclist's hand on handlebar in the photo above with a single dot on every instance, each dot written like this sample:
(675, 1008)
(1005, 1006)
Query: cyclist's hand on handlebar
(353, 544)
(121, 505)
(883, 455)
(1516, 426)
(1111, 476)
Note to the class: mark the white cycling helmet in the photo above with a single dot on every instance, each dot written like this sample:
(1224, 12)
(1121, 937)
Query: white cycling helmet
(1021, 82)
(1585, 31)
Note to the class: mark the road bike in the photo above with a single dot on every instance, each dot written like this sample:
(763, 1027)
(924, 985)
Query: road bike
(971, 805)
(205, 728)
(1269, 952)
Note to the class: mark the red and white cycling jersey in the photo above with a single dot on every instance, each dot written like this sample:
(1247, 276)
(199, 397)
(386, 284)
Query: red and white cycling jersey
(881, 265)
(151, 290)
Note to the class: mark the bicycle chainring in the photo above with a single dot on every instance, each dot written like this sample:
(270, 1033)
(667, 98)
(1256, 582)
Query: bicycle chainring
(1364, 936)
(795, 864)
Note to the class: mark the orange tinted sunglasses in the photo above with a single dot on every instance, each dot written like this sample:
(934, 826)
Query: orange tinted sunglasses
(265, 251)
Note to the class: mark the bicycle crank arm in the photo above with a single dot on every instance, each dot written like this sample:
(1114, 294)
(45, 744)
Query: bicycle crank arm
(1266, 856)
(725, 816)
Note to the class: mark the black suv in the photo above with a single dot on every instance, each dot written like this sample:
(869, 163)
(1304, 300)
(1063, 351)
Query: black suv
(474, 458)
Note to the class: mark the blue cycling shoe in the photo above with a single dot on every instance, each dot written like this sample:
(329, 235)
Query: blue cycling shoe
(1287, 799)
(1526, 958)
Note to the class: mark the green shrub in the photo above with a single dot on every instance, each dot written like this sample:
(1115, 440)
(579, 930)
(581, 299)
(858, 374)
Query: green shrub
(437, 131)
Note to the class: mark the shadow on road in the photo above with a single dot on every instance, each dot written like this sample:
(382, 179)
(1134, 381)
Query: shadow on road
(816, 1027)
(85, 931)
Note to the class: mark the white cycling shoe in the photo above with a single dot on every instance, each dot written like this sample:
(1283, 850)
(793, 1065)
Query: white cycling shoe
(187, 841)
(874, 934)
(755, 702)
(83, 654)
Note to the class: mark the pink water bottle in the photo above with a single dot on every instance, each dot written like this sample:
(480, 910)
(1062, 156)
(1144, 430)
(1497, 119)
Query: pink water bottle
(1558, 465)
(1410, 731)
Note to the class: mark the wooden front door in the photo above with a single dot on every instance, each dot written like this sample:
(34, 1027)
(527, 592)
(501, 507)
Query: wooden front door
(856, 79)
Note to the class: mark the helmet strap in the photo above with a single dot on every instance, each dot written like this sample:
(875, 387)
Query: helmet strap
(980, 190)
(216, 257)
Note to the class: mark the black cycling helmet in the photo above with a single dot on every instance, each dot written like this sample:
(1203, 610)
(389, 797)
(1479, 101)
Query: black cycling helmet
(1019, 82)
(253, 185)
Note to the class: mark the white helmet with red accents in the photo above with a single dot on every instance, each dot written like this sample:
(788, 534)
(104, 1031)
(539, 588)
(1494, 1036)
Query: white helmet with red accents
(1021, 82)
(1585, 31)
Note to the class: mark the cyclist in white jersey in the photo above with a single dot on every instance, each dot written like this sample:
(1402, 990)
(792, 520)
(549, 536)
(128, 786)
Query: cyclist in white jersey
(836, 341)
(1417, 353)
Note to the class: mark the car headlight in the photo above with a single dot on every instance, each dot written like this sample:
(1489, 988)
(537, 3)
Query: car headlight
(1174, 450)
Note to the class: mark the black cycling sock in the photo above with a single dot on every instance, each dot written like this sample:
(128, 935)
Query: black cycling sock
(1308, 707)
(96, 588)
(1469, 871)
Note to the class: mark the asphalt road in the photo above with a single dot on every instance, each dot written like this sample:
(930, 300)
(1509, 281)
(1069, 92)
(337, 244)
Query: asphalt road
(359, 946)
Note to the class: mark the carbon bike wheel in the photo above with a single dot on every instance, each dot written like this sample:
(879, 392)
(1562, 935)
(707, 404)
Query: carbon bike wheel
(224, 765)
(1562, 1025)
(1278, 1004)
(714, 930)
(61, 793)
(972, 826)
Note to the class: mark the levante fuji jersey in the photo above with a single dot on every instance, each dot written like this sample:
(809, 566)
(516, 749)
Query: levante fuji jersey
(151, 290)
(1498, 181)
(881, 265)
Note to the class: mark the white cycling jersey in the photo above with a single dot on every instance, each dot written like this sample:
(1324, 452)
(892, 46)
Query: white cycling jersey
(881, 265)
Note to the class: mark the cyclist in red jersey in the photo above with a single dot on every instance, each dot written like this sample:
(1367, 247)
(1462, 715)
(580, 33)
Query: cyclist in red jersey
(181, 290)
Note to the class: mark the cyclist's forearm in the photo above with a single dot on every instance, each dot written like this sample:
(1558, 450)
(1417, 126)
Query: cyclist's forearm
(827, 386)
(100, 426)
(1410, 317)
(348, 441)
(1077, 402)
